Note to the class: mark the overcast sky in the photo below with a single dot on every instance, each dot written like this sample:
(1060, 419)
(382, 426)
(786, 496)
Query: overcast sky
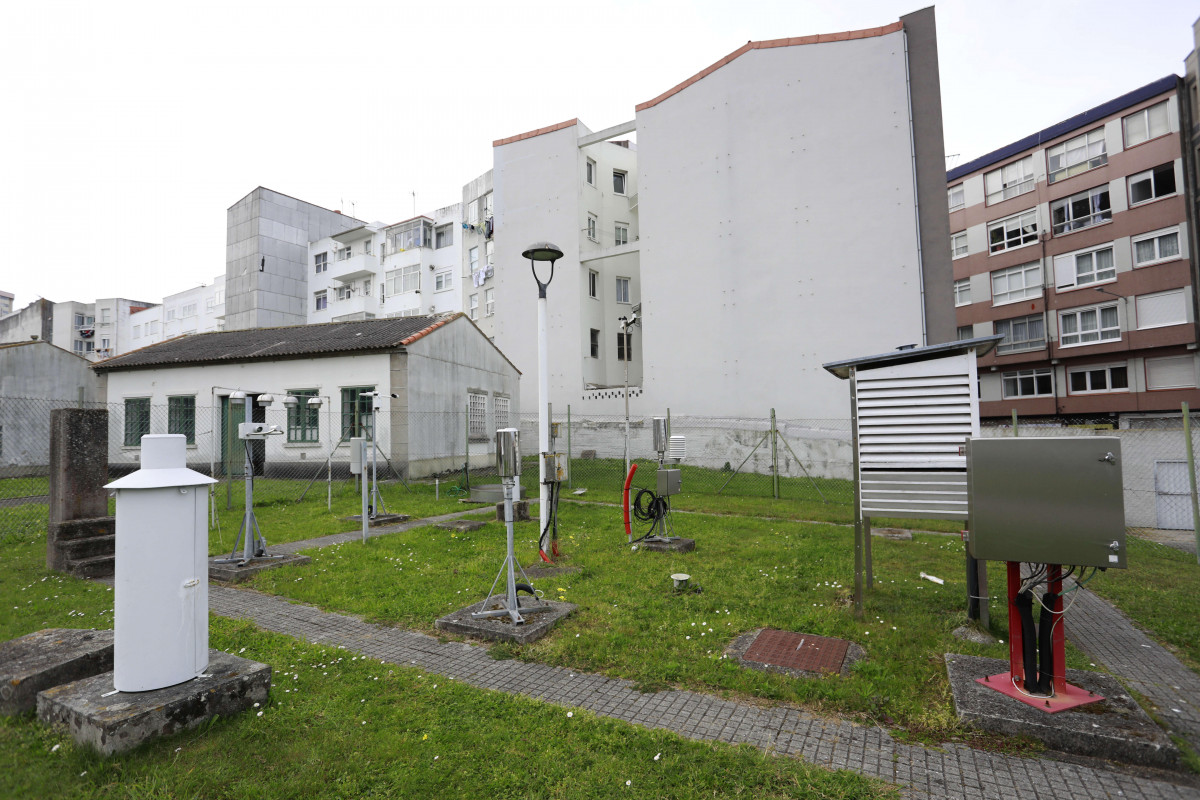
(131, 127)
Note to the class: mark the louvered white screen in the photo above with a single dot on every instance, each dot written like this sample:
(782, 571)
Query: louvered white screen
(913, 422)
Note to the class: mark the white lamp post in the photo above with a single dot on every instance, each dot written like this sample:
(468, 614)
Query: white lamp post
(543, 251)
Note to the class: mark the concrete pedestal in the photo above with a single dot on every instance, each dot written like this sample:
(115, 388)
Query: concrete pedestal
(379, 520)
(114, 722)
(233, 572)
(673, 545)
(500, 629)
(47, 659)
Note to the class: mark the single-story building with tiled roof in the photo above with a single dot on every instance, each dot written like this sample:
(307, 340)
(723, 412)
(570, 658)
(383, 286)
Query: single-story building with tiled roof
(448, 388)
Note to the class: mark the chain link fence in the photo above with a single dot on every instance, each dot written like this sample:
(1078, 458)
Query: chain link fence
(751, 456)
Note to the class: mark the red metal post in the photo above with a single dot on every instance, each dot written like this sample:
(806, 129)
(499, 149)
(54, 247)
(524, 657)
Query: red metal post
(1015, 664)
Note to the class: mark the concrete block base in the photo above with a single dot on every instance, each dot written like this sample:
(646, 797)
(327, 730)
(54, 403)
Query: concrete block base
(113, 723)
(520, 511)
(379, 520)
(501, 629)
(49, 658)
(234, 572)
(673, 545)
(462, 525)
(1115, 728)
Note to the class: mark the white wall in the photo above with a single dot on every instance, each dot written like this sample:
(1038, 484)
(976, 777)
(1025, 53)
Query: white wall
(778, 227)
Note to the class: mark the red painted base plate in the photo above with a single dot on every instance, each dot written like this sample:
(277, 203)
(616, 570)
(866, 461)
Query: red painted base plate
(1070, 698)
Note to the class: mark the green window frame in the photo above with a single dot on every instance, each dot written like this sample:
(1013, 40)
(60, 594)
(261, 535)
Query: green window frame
(181, 416)
(137, 420)
(356, 411)
(303, 421)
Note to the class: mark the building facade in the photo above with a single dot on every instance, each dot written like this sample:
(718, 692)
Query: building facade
(1076, 244)
(734, 230)
(197, 310)
(478, 250)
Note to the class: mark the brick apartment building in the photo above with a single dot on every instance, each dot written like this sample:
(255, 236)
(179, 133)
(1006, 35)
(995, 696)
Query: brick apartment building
(1075, 243)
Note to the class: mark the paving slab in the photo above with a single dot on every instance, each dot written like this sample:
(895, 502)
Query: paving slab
(675, 544)
(462, 525)
(1113, 728)
(49, 658)
(797, 655)
(501, 629)
(237, 571)
(111, 722)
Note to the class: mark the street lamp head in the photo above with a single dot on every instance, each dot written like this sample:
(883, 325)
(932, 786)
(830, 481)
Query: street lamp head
(542, 251)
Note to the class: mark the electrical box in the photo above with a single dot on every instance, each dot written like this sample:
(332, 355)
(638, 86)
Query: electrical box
(356, 454)
(669, 482)
(1046, 500)
(556, 466)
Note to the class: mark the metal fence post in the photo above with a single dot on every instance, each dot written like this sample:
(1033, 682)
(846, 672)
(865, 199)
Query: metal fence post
(1014, 418)
(1191, 463)
(774, 456)
(569, 470)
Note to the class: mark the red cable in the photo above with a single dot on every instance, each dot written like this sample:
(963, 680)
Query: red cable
(625, 502)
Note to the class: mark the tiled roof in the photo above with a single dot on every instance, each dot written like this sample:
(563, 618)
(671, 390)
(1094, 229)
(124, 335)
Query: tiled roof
(530, 134)
(275, 343)
(1087, 118)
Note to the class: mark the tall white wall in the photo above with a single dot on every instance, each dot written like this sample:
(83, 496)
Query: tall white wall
(778, 227)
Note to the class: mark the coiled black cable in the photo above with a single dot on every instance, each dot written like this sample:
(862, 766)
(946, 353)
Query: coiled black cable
(649, 507)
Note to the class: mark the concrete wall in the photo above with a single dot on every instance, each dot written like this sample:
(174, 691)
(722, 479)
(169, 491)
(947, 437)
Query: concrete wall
(272, 226)
(35, 319)
(778, 227)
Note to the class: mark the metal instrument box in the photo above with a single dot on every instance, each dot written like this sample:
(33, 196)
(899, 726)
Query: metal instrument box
(556, 466)
(669, 482)
(1047, 500)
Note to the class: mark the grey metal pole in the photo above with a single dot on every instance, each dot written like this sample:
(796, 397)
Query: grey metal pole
(248, 514)
(1191, 462)
(626, 345)
(363, 483)
(1016, 432)
(571, 485)
(858, 522)
(774, 456)
(374, 463)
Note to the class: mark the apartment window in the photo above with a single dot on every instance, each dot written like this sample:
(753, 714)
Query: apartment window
(170, 314)
(962, 292)
(367, 247)
(181, 416)
(489, 302)
(137, 420)
(89, 347)
(958, 244)
(78, 321)
(366, 287)
(487, 206)
(77, 346)
(443, 280)
(152, 328)
(1088, 325)
(1094, 380)
(321, 262)
(1016, 283)
(1028, 383)
(189, 310)
(622, 290)
(1082, 268)
(344, 292)
(624, 346)
(219, 297)
(1152, 184)
(619, 181)
(591, 227)
(209, 304)
(1155, 247)
(137, 331)
(105, 316)
(622, 233)
(500, 407)
(343, 253)
(443, 236)
(320, 301)
(594, 343)
(303, 421)
(1174, 372)
(356, 411)
(474, 306)
(1081, 210)
(476, 415)
(1009, 181)
(965, 332)
(88, 321)
(1149, 123)
(593, 279)
(473, 212)
(489, 253)
(405, 279)
(104, 345)
(1083, 152)
(956, 197)
(1161, 309)
(411, 234)
(1015, 231)
(590, 172)
(1021, 333)
(473, 259)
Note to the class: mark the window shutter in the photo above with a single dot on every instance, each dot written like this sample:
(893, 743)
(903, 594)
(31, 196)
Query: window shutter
(1177, 372)
(1064, 271)
(1165, 308)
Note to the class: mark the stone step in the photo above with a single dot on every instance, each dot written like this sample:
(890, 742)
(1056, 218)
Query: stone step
(76, 549)
(93, 567)
(83, 528)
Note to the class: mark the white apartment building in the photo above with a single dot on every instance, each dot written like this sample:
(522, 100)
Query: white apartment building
(407, 269)
(781, 209)
(6, 303)
(479, 253)
(197, 310)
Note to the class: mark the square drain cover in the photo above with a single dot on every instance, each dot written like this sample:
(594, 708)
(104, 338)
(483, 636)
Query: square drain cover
(802, 651)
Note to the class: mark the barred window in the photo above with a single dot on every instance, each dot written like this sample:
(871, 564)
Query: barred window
(181, 417)
(137, 420)
(303, 420)
(501, 403)
(356, 412)
(476, 415)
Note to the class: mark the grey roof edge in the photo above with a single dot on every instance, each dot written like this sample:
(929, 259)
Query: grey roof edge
(980, 345)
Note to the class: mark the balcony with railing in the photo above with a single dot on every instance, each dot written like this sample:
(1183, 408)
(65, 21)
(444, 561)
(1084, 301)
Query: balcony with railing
(354, 268)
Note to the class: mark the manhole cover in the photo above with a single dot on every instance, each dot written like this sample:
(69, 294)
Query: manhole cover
(801, 651)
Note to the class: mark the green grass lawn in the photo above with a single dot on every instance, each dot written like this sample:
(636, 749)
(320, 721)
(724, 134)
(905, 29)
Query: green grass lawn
(33, 486)
(631, 624)
(337, 725)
